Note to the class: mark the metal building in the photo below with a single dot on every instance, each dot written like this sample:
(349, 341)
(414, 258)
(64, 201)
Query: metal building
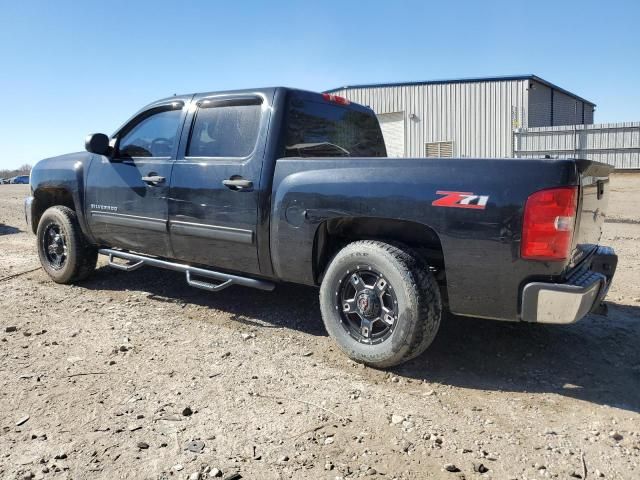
(473, 117)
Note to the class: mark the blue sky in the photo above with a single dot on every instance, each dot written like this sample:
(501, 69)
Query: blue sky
(70, 68)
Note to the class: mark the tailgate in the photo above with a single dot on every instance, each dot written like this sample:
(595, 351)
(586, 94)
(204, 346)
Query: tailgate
(592, 207)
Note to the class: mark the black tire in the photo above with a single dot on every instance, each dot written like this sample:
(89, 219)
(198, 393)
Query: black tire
(63, 250)
(409, 284)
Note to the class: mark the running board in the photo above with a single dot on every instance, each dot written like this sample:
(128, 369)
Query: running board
(225, 279)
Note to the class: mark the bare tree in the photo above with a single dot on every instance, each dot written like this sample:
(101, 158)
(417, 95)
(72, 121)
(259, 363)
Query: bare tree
(23, 170)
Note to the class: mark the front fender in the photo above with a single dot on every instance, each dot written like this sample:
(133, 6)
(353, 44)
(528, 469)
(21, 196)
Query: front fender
(60, 181)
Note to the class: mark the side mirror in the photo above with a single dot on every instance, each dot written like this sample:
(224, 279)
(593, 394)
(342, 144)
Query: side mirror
(97, 143)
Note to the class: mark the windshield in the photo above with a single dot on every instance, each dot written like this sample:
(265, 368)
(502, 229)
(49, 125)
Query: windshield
(323, 129)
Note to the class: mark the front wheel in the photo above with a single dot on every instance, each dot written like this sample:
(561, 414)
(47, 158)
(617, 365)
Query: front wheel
(380, 303)
(63, 250)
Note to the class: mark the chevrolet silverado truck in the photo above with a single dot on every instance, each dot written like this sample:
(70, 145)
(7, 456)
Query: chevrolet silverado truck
(257, 187)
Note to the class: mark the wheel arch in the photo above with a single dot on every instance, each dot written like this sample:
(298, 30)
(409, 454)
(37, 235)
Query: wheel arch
(46, 197)
(335, 233)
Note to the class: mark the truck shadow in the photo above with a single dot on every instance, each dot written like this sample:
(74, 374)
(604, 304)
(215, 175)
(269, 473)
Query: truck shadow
(8, 230)
(596, 360)
(290, 306)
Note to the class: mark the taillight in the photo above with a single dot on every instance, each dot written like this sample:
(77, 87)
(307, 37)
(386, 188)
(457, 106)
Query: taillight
(329, 97)
(549, 218)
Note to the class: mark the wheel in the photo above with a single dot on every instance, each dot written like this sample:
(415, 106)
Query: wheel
(63, 250)
(381, 304)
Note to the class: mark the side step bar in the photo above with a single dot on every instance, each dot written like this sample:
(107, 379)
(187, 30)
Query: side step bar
(225, 279)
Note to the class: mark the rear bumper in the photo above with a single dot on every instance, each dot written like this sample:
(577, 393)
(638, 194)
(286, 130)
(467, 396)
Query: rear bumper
(581, 293)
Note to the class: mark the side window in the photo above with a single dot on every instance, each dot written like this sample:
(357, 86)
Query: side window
(154, 136)
(225, 129)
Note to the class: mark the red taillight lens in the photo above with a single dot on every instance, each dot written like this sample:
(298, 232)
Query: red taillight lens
(335, 99)
(547, 230)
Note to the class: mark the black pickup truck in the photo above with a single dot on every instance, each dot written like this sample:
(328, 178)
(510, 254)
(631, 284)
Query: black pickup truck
(256, 187)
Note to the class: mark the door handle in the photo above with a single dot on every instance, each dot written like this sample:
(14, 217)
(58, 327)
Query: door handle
(153, 179)
(238, 184)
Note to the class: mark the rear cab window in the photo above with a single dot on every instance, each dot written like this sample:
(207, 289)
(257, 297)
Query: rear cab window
(317, 127)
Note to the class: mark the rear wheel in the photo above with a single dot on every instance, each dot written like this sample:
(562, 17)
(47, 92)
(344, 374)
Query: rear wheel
(63, 250)
(380, 303)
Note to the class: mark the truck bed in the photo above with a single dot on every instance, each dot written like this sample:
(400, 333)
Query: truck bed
(480, 246)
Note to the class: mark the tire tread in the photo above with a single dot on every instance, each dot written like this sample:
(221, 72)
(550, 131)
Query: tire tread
(417, 277)
(86, 256)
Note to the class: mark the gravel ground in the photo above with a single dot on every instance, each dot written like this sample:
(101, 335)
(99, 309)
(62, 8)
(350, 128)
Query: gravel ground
(136, 375)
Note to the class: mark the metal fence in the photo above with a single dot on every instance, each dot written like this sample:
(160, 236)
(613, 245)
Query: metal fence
(617, 144)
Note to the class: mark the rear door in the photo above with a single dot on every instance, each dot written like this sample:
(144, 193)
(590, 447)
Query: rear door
(216, 182)
(126, 195)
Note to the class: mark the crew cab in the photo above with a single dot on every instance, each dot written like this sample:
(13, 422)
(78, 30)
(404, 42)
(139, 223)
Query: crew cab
(257, 187)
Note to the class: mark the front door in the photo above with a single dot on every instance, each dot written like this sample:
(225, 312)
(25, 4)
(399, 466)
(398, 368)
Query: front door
(126, 200)
(215, 184)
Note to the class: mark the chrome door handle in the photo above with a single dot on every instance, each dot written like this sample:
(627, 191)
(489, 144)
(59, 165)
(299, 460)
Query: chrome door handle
(238, 184)
(153, 180)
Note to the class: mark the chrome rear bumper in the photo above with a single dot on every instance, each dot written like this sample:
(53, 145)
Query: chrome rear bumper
(581, 293)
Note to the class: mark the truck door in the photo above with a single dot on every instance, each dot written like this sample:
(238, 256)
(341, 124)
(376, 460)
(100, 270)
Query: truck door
(126, 194)
(215, 183)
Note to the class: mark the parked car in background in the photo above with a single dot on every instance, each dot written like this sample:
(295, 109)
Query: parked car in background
(255, 187)
(3, 181)
(20, 179)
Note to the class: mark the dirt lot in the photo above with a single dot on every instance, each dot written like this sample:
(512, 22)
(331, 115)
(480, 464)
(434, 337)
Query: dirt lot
(136, 375)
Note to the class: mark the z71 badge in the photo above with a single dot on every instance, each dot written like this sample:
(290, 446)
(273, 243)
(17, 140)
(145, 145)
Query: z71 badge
(461, 200)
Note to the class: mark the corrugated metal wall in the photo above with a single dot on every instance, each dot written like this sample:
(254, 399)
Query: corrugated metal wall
(617, 144)
(588, 114)
(550, 107)
(566, 110)
(540, 99)
(478, 117)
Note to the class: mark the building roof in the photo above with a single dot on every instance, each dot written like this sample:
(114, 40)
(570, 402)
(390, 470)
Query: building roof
(467, 80)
